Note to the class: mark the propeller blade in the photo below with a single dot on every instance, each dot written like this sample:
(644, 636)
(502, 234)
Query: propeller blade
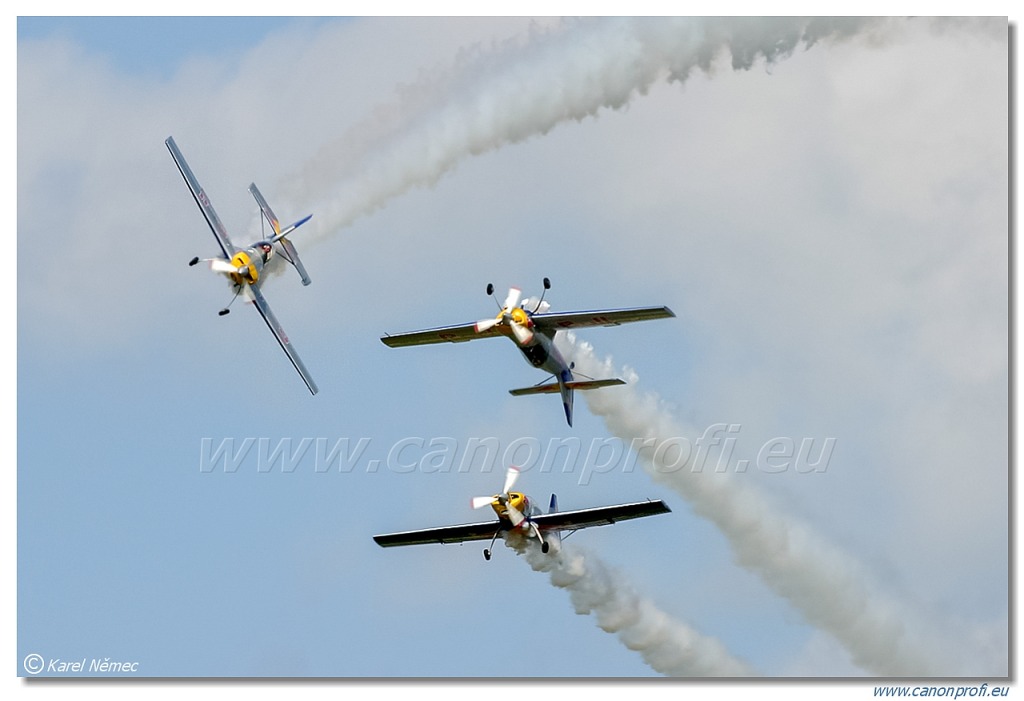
(486, 324)
(510, 478)
(514, 515)
(219, 265)
(481, 502)
(523, 335)
(512, 301)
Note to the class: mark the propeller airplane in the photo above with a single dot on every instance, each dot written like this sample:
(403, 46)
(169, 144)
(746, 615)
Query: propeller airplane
(244, 266)
(517, 514)
(532, 328)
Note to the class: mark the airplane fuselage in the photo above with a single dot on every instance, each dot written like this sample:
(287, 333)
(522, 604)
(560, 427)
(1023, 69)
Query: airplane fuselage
(539, 349)
(542, 354)
(521, 524)
(519, 502)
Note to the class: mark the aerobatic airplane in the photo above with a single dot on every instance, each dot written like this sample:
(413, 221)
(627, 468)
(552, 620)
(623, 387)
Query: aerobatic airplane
(243, 266)
(517, 514)
(533, 330)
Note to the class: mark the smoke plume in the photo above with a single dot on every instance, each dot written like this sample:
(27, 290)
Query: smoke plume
(526, 88)
(668, 645)
(832, 590)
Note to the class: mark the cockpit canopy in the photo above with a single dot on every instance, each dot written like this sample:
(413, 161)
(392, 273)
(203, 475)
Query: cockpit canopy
(266, 249)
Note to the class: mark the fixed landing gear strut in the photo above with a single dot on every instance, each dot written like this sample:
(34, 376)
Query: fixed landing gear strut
(487, 550)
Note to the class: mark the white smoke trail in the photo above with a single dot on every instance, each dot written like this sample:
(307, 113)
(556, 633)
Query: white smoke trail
(668, 645)
(524, 89)
(833, 592)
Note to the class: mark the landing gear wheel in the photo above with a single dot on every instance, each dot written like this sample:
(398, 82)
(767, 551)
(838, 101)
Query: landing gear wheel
(487, 553)
(544, 547)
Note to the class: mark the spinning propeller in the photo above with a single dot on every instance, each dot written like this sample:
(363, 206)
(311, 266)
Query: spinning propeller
(219, 265)
(505, 499)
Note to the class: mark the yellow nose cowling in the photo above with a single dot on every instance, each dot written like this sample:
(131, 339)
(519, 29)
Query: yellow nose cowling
(521, 317)
(240, 260)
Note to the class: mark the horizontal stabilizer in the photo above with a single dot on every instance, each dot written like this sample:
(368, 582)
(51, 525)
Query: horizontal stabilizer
(279, 235)
(553, 388)
(293, 257)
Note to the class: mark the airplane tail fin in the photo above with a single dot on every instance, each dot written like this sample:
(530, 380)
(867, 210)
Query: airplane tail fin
(565, 389)
(553, 537)
(290, 254)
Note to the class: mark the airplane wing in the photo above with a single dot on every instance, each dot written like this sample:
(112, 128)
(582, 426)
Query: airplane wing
(562, 521)
(604, 317)
(219, 231)
(601, 516)
(445, 534)
(260, 303)
(442, 334)
(554, 322)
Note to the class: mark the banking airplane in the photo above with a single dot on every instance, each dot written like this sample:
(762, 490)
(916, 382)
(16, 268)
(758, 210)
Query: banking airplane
(517, 514)
(533, 330)
(243, 266)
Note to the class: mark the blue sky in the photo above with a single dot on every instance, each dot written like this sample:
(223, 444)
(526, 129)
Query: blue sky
(830, 230)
